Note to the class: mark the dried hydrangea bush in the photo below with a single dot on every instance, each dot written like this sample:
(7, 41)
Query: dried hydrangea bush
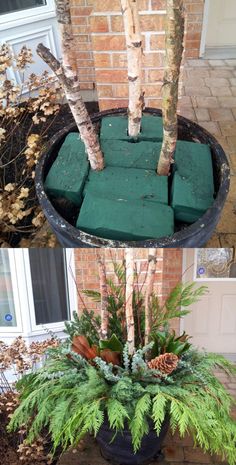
(26, 113)
(19, 359)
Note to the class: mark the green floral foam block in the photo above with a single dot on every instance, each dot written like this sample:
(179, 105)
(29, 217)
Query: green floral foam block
(128, 184)
(125, 220)
(142, 154)
(68, 173)
(192, 191)
(116, 128)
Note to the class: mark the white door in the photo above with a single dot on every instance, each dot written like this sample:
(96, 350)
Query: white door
(29, 22)
(212, 321)
(219, 29)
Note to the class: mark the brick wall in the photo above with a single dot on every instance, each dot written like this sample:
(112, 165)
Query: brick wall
(98, 27)
(168, 271)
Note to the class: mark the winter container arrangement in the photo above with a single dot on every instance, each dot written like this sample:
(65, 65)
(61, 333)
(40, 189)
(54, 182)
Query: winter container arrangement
(165, 172)
(126, 377)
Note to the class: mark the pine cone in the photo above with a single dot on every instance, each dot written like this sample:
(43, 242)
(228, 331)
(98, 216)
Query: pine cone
(166, 363)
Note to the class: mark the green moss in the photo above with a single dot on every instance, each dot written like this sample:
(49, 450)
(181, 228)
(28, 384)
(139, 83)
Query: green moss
(127, 220)
(68, 173)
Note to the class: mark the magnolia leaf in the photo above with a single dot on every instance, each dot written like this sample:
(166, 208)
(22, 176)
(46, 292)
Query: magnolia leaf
(113, 344)
(81, 346)
(110, 356)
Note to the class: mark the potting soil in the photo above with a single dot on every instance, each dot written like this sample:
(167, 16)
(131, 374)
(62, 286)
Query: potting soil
(192, 190)
(69, 171)
(127, 200)
(131, 219)
(116, 128)
(128, 184)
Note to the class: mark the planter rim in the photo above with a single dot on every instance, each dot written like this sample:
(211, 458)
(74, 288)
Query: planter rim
(89, 240)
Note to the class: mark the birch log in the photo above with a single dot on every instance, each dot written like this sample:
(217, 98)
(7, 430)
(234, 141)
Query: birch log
(134, 56)
(104, 294)
(68, 76)
(129, 258)
(152, 260)
(173, 56)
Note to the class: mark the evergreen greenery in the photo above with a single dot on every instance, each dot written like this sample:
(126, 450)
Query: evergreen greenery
(71, 395)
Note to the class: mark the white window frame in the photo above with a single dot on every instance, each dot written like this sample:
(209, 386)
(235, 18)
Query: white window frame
(24, 301)
(16, 298)
(56, 326)
(203, 280)
(20, 17)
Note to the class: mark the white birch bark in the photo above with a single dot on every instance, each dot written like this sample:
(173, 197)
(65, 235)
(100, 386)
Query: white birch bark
(71, 84)
(173, 56)
(129, 257)
(104, 294)
(152, 259)
(134, 56)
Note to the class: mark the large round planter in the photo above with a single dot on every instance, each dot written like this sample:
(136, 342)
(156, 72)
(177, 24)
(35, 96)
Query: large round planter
(119, 450)
(195, 235)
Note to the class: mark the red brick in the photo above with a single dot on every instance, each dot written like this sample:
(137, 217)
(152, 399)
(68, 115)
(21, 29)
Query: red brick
(152, 22)
(99, 24)
(105, 5)
(104, 91)
(107, 104)
(111, 76)
(108, 42)
(102, 60)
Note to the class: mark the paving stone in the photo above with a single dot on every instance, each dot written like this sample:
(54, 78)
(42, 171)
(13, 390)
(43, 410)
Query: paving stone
(214, 242)
(227, 240)
(233, 81)
(204, 72)
(221, 114)
(228, 128)
(221, 91)
(232, 159)
(232, 190)
(185, 101)
(233, 90)
(188, 113)
(207, 102)
(232, 142)
(216, 63)
(205, 91)
(227, 222)
(227, 102)
(198, 63)
(202, 114)
(234, 112)
(216, 82)
(211, 126)
(231, 62)
(223, 73)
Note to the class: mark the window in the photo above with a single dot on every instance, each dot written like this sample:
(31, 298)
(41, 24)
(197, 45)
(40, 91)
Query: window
(49, 285)
(11, 6)
(7, 306)
(215, 264)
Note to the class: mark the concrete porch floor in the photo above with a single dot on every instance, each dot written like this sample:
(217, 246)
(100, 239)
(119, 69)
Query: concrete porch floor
(209, 98)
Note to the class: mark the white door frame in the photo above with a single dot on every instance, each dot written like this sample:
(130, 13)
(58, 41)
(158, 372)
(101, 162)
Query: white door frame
(204, 27)
(24, 302)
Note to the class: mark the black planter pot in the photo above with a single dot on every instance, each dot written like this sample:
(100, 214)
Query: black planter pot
(119, 450)
(195, 235)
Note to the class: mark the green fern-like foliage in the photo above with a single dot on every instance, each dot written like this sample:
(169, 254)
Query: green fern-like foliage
(87, 324)
(70, 397)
